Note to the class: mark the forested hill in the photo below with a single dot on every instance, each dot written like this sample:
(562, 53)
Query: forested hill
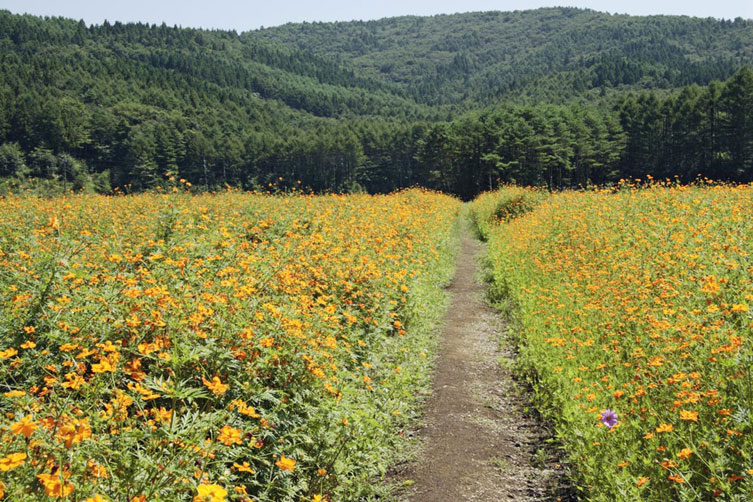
(123, 104)
(552, 54)
(373, 105)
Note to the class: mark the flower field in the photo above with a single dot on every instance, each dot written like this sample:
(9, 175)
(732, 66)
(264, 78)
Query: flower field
(170, 347)
(633, 310)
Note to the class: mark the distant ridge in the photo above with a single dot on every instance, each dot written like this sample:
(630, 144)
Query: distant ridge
(550, 53)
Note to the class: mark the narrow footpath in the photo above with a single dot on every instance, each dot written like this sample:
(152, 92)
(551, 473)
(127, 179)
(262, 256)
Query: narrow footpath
(478, 444)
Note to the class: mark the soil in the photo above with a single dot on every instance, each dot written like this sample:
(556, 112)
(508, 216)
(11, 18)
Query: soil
(479, 443)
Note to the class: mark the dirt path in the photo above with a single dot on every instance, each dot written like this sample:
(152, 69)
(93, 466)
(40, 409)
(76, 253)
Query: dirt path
(478, 444)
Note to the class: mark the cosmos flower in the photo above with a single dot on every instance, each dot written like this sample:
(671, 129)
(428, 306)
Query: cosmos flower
(215, 385)
(25, 426)
(210, 493)
(53, 486)
(12, 461)
(608, 418)
(286, 464)
(229, 436)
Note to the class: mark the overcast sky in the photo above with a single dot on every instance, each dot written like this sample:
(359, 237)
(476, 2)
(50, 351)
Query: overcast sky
(245, 15)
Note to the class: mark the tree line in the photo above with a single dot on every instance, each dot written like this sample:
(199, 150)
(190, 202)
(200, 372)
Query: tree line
(698, 131)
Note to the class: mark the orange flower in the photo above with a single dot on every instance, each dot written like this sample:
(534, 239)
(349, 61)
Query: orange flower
(75, 432)
(245, 467)
(53, 486)
(267, 342)
(97, 470)
(641, 481)
(685, 454)
(286, 464)
(689, 416)
(215, 385)
(25, 426)
(676, 478)
(103, 366)
(229, 436)
(665, 428)
(12, 461)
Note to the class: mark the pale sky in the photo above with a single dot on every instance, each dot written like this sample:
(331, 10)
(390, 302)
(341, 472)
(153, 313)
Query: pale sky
(250, 14)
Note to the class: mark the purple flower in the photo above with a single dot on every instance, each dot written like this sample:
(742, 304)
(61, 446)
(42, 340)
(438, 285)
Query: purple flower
(608, 418)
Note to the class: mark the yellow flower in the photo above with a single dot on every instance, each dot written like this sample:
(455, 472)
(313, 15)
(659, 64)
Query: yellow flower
(73, 381)
(215, 385)
(5, 354)
(685, 454)
(286, 464)
(14, 393)
(96, 498)
(641, 481)
(2, 490)
(244, 409)
(210, 493)
(12, 461)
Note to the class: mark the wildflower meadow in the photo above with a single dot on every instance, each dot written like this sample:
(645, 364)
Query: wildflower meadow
(178, 347)
(632, 310)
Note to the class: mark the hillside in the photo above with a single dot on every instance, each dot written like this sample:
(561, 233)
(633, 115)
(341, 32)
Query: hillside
(552, 54)
(130, 102)
(375, 105)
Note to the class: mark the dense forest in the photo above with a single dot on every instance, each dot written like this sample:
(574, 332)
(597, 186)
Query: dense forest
(557, 97)
(700, 131)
